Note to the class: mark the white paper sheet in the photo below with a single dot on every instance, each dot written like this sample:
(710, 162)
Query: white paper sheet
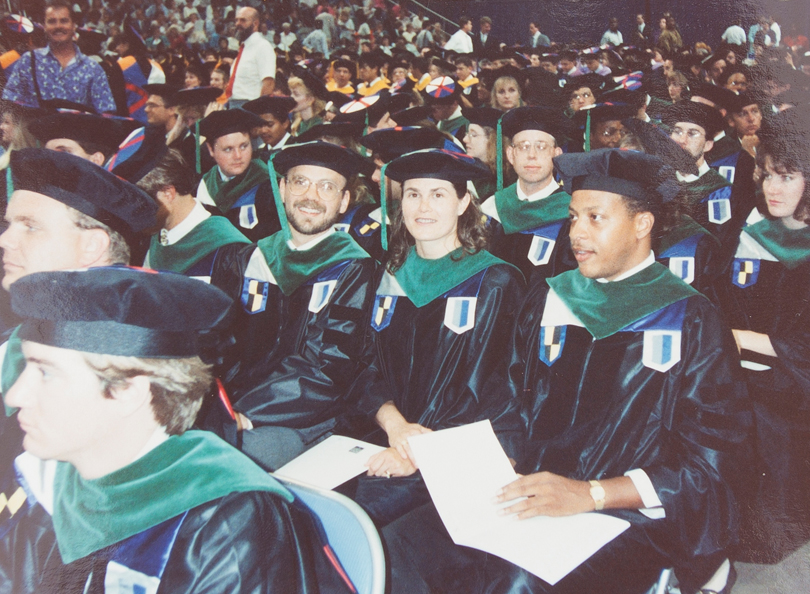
(331, 463)
(464, 468)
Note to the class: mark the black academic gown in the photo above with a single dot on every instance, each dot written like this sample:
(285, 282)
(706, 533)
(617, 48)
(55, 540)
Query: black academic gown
(687, 426)
(691, 253)
(365, 229)
(775, 300)
(440, 377)
(596, 412)
(291, 366)
(252, 542)
(259, 223)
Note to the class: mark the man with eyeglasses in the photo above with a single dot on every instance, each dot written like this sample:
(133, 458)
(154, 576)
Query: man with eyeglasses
(238, 185)
(302, 300)
(708, 195)
(528, 220)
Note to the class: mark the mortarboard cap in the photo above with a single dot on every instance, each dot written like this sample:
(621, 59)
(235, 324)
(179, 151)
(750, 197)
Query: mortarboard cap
(221, 123)
(437, 164)
(718, 96)
(482, 116)
(118, 310)
(195, 96)
(655, 141)
(411, 116)
(279, 107)
(738, 102)
(693, 112)
(603, 112)
(336, 98)
(441, 91)
(161, 90)
(88, 188)
(311, 81)
(334, 129)
(364, 110)
(618, 171)
(391, 143)
(595, 82)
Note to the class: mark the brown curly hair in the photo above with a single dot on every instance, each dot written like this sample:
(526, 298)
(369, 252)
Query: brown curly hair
(471, 230)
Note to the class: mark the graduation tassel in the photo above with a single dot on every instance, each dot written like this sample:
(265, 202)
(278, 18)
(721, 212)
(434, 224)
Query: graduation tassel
(499, 151)
(384, 210)
(588, 132)
(282, 214)
(198, 165)
(363, 150)
(9, 183)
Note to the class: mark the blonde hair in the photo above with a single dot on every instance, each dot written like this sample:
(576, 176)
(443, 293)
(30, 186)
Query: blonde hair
(318, 105)
(500, 83)
(178, 386)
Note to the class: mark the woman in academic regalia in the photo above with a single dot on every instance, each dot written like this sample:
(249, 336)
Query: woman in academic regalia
(481, 142)
(440, 328)
(765, 296)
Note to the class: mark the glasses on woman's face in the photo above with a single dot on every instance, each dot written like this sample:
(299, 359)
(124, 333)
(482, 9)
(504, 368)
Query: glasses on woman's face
(326, 189)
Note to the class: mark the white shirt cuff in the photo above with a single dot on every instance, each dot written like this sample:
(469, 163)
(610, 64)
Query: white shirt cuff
(653, 508)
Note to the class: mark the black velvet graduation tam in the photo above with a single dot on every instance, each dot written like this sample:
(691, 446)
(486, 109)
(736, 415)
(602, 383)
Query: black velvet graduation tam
(545, 119)
(482, 116)
(161, 90)
(337, 158)
(222, 123)
(81, 127)
(334, 129)
(278, 107)
(195, 96)
(628, 173)
(118, 310)
(395, 142)
(737, 102)
(693, 112)
(719, 96)
(88, 188)
(411, 116)
(437, 164)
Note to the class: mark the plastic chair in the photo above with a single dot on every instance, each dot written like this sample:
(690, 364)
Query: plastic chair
(351, 534)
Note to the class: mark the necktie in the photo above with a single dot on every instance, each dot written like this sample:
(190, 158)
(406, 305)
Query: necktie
(229, 88)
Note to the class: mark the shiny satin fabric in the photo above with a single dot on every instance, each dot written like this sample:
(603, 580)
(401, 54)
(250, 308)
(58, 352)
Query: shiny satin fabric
(776, 512)
(290, 366)
(598, 412)
(244, 542)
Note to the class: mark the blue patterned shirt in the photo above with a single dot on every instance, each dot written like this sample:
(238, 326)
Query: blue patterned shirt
(83, 81)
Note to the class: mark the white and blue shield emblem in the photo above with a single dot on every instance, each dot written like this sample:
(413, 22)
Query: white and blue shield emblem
(683, 268)
(383, 311)
(744, 272)
(727, 172)
(719, 209)
(459, 313)
(552, 339)
(247, 216)
(540, 250)
(123, 580)
(321, 292)
(254, 295)
(342, 227)
(662, 349)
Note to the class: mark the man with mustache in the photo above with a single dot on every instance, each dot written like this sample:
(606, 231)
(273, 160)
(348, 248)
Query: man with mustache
(60, 70)
(302, 300)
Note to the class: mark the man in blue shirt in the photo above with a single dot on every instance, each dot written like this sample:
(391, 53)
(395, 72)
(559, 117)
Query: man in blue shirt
(59, 71)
